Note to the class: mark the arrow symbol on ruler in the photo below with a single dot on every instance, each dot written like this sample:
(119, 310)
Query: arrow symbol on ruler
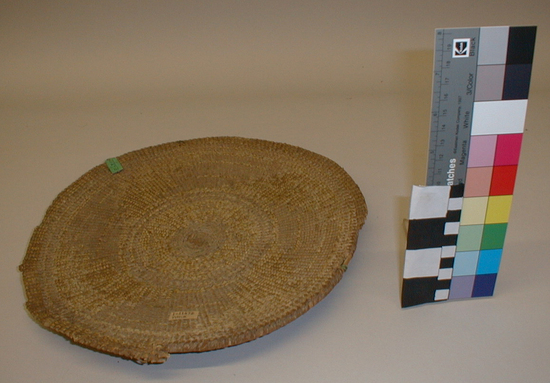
(461, 48)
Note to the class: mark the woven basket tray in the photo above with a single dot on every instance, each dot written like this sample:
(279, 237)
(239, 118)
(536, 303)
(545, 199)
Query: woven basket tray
(194, 246)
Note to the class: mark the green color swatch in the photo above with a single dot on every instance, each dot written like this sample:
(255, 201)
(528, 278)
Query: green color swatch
(469, 238)
(493, 236)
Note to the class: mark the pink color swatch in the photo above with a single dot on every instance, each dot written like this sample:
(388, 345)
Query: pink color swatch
(478, 182)
(482, 151)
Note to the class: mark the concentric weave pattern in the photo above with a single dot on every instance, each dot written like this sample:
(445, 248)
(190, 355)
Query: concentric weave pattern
(194, 246)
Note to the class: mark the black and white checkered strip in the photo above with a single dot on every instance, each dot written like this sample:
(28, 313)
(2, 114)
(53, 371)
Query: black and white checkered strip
(434, 221)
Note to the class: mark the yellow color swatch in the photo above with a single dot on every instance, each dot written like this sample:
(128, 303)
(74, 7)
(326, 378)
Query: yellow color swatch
(498, 209)
(473, 211)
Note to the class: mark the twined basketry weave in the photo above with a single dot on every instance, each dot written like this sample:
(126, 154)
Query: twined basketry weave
(194, 246)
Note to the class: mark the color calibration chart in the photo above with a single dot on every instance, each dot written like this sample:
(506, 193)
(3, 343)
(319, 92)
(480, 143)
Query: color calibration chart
(458, 222)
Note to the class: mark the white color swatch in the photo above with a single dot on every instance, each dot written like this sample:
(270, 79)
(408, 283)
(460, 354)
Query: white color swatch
(498, 117)
(429, 202)
(422, 263)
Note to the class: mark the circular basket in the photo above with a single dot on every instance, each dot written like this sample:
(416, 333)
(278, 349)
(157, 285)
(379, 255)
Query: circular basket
(194, 246)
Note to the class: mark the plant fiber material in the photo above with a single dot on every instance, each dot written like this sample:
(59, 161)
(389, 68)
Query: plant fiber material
(194, 246)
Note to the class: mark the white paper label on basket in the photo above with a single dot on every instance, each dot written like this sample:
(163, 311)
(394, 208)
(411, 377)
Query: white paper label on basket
(179, 315)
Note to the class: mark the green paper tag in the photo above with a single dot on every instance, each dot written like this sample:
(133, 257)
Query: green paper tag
(114, 165)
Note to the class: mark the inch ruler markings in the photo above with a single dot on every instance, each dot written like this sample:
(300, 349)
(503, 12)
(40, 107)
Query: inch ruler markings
(455, 67)
(457, 224)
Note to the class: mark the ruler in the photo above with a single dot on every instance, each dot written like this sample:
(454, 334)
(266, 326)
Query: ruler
(455, 68)
(458, 222)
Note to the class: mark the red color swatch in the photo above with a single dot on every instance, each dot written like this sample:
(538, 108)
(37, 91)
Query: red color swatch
(504, 178)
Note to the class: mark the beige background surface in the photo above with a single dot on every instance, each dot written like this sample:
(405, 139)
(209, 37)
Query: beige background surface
(84, 81)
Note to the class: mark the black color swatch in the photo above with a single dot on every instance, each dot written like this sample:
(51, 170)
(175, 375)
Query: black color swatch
(521, 45)
(421, 290)
(428, 233)
(457, 191)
